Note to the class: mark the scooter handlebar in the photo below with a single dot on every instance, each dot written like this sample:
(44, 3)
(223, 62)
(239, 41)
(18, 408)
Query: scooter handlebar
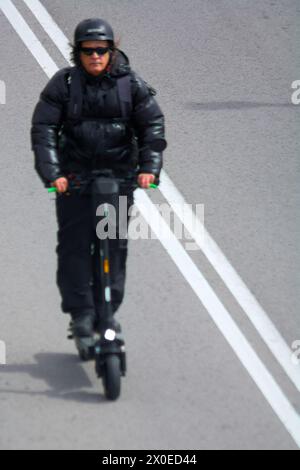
(82, 182)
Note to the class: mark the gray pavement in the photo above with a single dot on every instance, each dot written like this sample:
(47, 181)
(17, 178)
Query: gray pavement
(223, 71)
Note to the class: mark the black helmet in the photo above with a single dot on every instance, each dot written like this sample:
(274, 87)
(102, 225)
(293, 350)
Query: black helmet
(93, 29)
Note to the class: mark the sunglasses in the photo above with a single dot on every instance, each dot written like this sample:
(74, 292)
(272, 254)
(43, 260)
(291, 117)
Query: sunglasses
(91, 50)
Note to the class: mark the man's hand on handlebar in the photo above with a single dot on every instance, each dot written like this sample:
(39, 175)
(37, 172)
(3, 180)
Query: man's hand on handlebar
(61, 184)
(145, 179)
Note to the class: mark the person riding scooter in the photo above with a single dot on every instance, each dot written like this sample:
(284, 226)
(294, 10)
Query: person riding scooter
(94, 115)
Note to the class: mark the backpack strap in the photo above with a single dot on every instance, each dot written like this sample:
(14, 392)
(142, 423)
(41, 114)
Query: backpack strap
(75, 87)
(125, 95)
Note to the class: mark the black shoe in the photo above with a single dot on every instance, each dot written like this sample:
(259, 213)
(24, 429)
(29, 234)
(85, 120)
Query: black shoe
(97, 323)
(115, 326)
(82, 331)
(82, 324)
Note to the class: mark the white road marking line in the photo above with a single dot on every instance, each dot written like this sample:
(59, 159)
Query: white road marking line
(49, 25)
(28, 37)
(254, 311)
(232, 280)
(220, 315)
(257, 370)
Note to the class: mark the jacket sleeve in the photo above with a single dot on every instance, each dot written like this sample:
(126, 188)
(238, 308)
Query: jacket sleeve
(149, 124)
(46, 123)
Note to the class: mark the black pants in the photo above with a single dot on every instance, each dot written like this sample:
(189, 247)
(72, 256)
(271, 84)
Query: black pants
(78, 271)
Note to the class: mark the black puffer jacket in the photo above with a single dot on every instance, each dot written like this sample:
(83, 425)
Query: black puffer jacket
(61, 147)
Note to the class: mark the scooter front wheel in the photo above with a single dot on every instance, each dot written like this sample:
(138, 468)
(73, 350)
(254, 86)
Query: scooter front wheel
(112, 376)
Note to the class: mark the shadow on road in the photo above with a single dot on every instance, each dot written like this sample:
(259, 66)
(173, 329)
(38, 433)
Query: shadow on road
(63, 373)
(235, 105)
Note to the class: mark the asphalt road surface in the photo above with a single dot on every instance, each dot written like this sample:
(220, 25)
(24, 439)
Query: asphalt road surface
(223, 72)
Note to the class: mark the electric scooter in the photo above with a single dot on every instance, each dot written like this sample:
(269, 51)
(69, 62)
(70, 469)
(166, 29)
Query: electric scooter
(109, 349)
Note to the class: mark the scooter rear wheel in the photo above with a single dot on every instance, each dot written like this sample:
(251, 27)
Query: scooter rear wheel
(112, 377)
